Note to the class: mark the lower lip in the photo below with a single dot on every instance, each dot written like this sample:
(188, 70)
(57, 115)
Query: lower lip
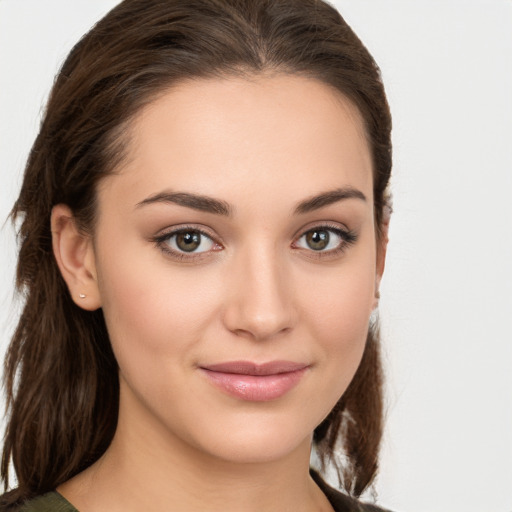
(255, 388)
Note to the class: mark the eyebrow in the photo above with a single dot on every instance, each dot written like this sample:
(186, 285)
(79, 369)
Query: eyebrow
(194, 201)
(219, 207)
(327, 198)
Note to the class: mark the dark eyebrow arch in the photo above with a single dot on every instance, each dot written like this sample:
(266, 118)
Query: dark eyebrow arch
(194, 201)
(327, 198)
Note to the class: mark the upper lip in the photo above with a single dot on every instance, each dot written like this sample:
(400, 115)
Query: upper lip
(251, 368)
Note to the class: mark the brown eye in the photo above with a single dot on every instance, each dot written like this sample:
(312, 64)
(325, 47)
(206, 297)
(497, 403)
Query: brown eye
(326, 240)
(188, 241)
(317, 239)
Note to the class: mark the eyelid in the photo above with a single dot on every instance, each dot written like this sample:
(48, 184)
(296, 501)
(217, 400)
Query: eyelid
(162, 236)
(348, 236)
(322, 224)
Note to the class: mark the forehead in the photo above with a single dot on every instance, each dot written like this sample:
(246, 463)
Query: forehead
(253, 134)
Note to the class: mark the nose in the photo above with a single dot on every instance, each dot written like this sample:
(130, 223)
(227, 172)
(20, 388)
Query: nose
(259, 302)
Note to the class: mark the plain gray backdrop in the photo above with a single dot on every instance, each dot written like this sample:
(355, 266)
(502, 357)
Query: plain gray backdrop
(447, 292)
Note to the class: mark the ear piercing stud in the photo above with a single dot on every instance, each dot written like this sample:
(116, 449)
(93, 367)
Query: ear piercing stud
(82, 295)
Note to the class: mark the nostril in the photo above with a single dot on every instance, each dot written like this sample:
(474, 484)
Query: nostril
(241, 322)
(259, 305)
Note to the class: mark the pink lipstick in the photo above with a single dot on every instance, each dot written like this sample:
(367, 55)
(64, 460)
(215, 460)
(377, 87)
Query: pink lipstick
(255, 382)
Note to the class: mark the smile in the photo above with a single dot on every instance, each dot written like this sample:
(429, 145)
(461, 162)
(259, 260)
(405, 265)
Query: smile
(253, 382)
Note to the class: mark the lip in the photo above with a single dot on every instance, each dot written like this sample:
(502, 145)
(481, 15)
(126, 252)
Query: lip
(255, 382)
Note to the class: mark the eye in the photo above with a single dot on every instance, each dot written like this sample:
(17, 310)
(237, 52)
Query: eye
(186, 241)
(190, 241)
(325, 239)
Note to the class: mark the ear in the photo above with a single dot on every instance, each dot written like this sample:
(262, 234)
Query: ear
(74, 253)
(382, 245)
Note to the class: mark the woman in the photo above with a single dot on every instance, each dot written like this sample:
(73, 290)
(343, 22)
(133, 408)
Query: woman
(203, 233)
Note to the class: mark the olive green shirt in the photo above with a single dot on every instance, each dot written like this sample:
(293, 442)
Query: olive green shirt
(55, 502)
(50, 502)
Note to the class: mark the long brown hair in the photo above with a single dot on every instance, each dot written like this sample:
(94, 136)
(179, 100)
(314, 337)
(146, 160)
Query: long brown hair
(61, 376)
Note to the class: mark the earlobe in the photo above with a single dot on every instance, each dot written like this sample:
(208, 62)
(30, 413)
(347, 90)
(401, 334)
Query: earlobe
(75, 258)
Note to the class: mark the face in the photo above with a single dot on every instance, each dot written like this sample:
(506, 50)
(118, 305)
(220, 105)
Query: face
(235, 259)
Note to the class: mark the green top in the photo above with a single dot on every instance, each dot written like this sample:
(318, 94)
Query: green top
(55, 502)
(49, 502)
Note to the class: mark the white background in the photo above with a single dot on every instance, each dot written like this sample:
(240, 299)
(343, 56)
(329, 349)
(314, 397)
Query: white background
(447, 293)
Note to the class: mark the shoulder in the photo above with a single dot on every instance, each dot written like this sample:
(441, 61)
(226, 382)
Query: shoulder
(341, 502)
(49, 502)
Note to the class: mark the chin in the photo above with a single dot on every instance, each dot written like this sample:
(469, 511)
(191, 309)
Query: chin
(253, 438)
(260, 449)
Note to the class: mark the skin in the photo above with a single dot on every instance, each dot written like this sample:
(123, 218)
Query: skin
(256, 292)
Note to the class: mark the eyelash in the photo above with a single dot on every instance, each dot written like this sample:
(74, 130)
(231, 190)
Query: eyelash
(348, 238)
(162, 242)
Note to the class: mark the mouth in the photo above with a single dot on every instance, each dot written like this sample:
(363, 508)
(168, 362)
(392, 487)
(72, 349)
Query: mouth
(254, 382)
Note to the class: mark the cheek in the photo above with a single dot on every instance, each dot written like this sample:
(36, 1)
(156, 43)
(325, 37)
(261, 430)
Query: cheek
(340, 303)
(153, 311)
(338, 307)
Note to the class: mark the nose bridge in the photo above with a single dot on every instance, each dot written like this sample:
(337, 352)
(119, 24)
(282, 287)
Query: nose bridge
(260, 303)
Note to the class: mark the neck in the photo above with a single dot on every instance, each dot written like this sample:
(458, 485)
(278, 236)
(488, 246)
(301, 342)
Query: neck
(159, 472)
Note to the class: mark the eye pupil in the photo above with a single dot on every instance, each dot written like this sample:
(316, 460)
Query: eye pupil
(317, 239)
(188, 241)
